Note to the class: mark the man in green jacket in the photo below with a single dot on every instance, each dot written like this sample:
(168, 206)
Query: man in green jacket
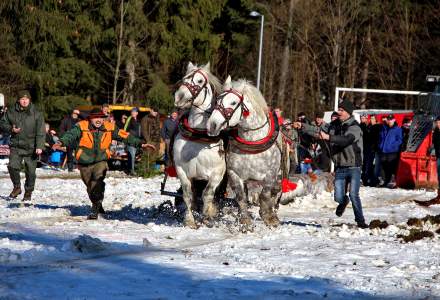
(26, 126)
(95, 136)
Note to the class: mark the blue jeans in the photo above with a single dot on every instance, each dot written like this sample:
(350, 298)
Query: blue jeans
(131, 158)
(351, 175)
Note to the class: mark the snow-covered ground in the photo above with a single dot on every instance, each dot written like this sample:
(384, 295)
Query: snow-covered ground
(49, 251)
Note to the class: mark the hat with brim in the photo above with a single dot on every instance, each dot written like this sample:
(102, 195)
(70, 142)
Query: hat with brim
(390, 117)
(96, 113)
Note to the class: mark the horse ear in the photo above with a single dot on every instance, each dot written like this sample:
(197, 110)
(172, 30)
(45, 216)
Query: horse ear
(207, 67)
(228, 83)
(189, 67)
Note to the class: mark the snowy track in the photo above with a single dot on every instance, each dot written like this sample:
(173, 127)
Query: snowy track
(142, 252)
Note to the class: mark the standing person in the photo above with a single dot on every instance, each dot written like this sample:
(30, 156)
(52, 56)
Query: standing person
(279, 114)
(375, 147)
(150, 128)
(167, 132)
(436, 146)
(66, 124)
(345, 139)
(133, 126)
(367, 165)
(391, 138)
(26, 125)
(95, 135)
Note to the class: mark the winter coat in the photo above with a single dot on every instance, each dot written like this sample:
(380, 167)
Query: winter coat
(391, 139)
(367, 136)
(133, 126)
(168, 129)
(31, 122)
(150, 129)
(436, 142)
(346, 144)
(94, 143)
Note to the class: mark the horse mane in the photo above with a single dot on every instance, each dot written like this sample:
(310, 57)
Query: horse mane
(251, 93)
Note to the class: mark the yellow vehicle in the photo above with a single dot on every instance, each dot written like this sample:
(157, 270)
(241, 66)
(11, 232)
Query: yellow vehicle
(119, 156)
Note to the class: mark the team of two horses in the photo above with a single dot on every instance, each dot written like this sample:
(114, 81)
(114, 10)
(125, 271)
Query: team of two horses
(254, 153)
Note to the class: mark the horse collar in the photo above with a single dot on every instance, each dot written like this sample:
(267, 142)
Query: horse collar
(194, 134)
(254, 147)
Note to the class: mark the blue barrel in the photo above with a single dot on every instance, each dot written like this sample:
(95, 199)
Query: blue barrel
(55, 157)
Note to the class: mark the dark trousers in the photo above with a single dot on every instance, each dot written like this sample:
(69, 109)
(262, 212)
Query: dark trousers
(70, 158)
(390, 161)
(368, 168)
(93, 176)
(14, 166)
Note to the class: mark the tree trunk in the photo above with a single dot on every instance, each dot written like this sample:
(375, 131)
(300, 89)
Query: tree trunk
(286, 57)
(365, 67)
(131, 72)
(119, 52)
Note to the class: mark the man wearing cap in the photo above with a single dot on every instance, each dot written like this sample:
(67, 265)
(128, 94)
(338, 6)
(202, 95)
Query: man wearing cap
(26, 125)
(367, 165)
(345, 140)
(133, 126)
(66, 124)
(95, 136)
(391, 138)
(436, 147)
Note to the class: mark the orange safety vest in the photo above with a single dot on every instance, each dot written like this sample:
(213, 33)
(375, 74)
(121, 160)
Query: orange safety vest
(87, 141)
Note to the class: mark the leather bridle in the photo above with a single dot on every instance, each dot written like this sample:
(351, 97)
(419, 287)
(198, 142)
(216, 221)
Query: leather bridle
(227, 113)
(194, 88)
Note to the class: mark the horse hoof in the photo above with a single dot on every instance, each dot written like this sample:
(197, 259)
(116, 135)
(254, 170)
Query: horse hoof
(245, 220)
(208, 222)
(244, 228)
(272, 221)
(191, 224)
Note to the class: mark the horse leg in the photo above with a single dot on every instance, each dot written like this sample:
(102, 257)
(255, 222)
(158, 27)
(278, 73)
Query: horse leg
(210, 210)
(240, 193)
(188, 198)
(267, 206)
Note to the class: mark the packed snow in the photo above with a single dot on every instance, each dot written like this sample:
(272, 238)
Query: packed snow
(141, 250)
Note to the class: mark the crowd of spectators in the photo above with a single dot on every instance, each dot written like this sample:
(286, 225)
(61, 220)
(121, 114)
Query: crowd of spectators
(383, 140)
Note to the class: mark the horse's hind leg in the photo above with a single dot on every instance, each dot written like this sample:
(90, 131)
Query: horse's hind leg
(240, 193)
(267, 206)
(188, 198)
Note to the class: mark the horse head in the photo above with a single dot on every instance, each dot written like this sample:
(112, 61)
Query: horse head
(239, 102)
(196, 88)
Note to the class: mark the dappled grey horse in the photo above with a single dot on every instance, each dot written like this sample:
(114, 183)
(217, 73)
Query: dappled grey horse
(254, 153)
(196, 155)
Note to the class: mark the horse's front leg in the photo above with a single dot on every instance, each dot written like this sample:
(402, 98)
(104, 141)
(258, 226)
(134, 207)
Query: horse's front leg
(210, 210)
(267, 204)
(240, 192)
(188, 198)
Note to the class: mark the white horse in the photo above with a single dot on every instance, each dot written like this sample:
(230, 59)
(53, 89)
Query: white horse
(255, 151)
(196, 155)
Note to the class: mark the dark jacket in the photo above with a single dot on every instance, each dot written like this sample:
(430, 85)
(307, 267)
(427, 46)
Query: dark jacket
(436, 142)
(345, 142)
(31, 122)
(150, 129)
(375, 137)
(367, 136)
(67, 123)
(391, 139)
(133, 126)
(168, 129)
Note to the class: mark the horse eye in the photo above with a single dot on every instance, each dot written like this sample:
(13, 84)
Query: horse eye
(200, 81)
(234, 103)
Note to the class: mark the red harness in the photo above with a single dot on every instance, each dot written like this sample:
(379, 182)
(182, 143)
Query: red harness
(254, 147)
(192, 134)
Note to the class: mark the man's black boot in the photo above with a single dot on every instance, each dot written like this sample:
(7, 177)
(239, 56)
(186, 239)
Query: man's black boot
(27, 196)
(93, 213)
(15, 192)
